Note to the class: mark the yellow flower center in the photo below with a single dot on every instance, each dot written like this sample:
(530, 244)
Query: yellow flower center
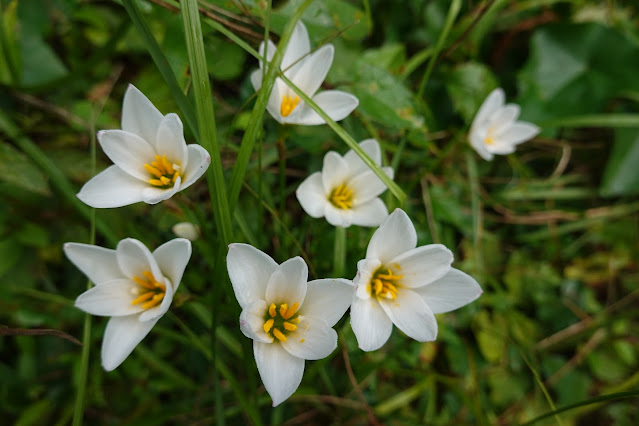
(488, 140)
(280, 320)
(164, 173)
(342, 197)
(384, 284)
(288, 104)
(150, 291)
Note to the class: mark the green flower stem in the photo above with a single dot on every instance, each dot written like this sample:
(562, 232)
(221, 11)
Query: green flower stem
(473, 177)
(339, 252)
(453, 11)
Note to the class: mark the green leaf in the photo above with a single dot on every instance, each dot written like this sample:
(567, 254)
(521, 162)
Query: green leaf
(574, 69)
(468, 85)
(621, 176)
(40, 64)
(225, 60)
(384, 99)
(18, 170)
(10, 251)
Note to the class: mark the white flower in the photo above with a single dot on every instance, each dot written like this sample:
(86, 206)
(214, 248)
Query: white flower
(494, 129)
(307, 71)
(186, 230)
(132, 285)
(346, 190)
(288, 319)
(152, 160)
(403, 285)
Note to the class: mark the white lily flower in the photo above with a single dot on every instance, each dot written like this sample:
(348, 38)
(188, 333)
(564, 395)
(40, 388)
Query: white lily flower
(132, 286)
(346, 190)
(399, 283)
(494, 129)
(307, 71)
(288, 319)
(151, 158)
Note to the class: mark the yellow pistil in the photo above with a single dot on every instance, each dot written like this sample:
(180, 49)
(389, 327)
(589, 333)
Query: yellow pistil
(280, 320)
(342, 197)
(151, 292)
(163, 172)
(288, 104)
(384, 284)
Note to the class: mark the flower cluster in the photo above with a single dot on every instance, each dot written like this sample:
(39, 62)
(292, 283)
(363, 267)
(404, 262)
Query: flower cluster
(289, 319)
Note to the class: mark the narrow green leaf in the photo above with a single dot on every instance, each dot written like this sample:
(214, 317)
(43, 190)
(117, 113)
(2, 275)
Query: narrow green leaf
(621, 176)
(595, 120)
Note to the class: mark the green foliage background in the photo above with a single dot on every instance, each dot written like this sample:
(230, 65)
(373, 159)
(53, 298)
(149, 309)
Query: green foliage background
(550, 232)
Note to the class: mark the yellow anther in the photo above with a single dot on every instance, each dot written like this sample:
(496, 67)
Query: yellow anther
(143, 283)
(342, 197)
(488, 140)
(288, 104)
(154, 171)
(290, 311)
(165, 180)
(271, 310)
(290, 327)
(279, 335)
(175, 176)
(268, 325)
(378, 286)
(144, 297)
(384, 284)
(156, 182)
(156, 299)
(162, 171)
(283, 309)
(167, 165)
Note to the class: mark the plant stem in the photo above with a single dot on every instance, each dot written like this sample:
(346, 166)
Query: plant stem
(339, 253)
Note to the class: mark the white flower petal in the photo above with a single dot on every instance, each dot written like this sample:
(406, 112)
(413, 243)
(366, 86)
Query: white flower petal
(411, 314)
(256, 78)
(288, 283)
(134, 259)
(157, 311)
(503, 118)
(371, 325)
(153, 194)
(422, 265)
(452, 291)
(493, 102)
(172, 258)
(252, 321)
(269, 55)
(121, 336)
(334, 171)
(111, 188)
(335, 103)
(112, 298)
(139, 116)
(127, 151)
(274, 104)
(355, 164)
(249, 270)
(371, 213)
(280, 371)
(99, 264)
(313, 339)
(477, 142)
(298, 46)
(366, 268)
(312, 196)
(312, 73)
(199, 161)
(170, 141)
(338, 217)
(327, 299)
(519, 132)
(395, 236)
(367, 185)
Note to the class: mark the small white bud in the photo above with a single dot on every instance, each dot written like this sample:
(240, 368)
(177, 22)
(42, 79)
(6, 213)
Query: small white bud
(186, 230)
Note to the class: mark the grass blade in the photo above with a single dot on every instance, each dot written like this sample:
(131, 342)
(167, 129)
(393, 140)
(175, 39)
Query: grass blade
(595, 120)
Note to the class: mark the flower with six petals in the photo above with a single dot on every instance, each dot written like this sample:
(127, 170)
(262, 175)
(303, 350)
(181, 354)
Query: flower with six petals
(151, 158)
(288, 319)
(307, 71)
(495, 129)
(132, 286)
(399, 283)
(346, 190)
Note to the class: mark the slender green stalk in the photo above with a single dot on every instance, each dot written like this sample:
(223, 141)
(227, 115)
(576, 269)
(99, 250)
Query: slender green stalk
(352, 144)
(59, 180)
(541, 384)
(473, 177)
(281, 155)
(339, 252)
(455, 6)
(594, 120)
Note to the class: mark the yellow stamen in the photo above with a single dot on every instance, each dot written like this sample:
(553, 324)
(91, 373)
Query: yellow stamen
(384, 284)
(167, 165)
(290, 311)
(175, 176)
(153, 170)
(268, 325)
(342, 197)
(288, 104)
(271, 310)
(153, 290)
(163, 172)
(165, 180)
(289, 326)
(279, 335)
(156, 299)
(156, 182)
(283, 308)
(489, 140)
(145, 296)
(143, 283)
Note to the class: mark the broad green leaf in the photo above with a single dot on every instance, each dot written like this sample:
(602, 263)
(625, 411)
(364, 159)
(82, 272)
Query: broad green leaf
(40, 64)
(384, 99)
(17, 169)
(468, 85)
(225, 60)
(390, 56)
(621, 176)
